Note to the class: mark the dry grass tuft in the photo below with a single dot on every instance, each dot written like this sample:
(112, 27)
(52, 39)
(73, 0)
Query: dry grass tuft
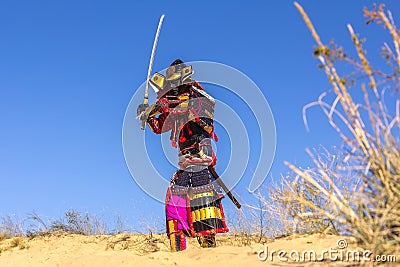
(356, 189)
(140, 244)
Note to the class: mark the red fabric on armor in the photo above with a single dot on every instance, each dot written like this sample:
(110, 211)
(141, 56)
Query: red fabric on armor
(157, 123)
(167, 119)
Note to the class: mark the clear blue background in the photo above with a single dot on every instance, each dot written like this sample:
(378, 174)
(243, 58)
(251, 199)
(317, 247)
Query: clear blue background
(68, 70)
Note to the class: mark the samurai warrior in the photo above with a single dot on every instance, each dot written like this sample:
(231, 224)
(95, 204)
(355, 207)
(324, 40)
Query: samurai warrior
(193, 200)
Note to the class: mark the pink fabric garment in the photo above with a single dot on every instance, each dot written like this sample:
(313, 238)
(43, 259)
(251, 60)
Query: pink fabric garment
(176, 210)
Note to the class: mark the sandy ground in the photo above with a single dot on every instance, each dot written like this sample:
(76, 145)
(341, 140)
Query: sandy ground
(145, 250)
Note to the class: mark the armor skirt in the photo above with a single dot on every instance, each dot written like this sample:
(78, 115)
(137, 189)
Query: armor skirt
(193, 204)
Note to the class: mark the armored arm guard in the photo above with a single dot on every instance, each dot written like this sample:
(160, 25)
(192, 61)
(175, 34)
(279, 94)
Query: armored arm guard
(159, 124)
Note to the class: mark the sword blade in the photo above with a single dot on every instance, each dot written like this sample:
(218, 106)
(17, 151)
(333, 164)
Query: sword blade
(153, 51)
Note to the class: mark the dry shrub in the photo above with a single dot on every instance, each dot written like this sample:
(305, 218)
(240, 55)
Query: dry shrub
(72, 222)
(295, 205)
(10, 227)
(75, 222)
(240, 230)
(356, 189)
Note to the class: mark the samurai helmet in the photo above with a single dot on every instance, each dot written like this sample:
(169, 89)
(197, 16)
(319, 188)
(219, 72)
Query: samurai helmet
(177, 74)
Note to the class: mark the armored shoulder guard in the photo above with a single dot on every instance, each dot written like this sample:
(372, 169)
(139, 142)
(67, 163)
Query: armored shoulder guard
(174, 79)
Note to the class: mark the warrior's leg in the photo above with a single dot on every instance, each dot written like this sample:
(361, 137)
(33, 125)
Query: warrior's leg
(176, 237)
(207, 241)
(176, 218)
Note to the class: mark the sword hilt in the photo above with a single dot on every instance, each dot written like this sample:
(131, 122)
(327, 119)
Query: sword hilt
(145, 102)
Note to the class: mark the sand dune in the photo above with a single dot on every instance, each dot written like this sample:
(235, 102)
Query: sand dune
(145, 250)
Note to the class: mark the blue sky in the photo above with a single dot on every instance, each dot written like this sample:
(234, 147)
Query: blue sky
(68, 70)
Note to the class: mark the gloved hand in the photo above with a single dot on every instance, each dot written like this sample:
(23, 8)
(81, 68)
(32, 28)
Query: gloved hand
(141, 114)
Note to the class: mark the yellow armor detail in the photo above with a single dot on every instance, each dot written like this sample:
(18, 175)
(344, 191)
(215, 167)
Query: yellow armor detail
(206, 213)
(157, 82)
(205, 194)
(171, 227)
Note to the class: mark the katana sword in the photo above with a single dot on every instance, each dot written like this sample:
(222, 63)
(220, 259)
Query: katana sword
(219, 181)
(146, 91)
